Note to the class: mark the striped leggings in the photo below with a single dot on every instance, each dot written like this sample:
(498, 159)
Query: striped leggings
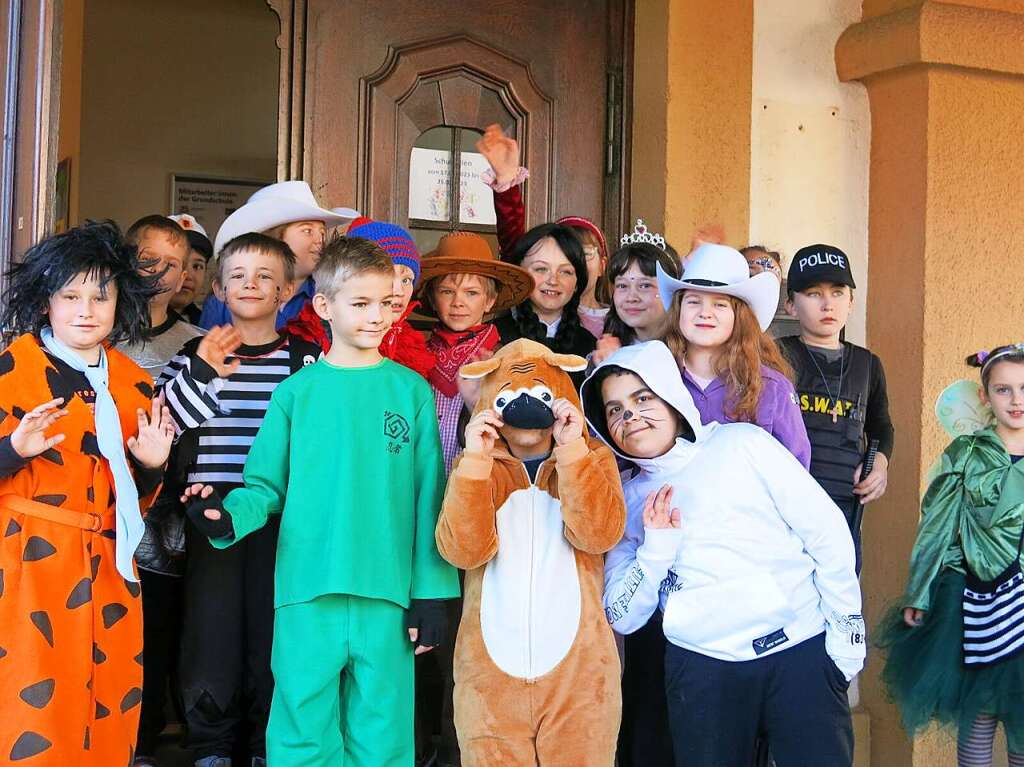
(974, 748)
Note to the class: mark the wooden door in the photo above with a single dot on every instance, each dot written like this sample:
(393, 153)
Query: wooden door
(371, 77)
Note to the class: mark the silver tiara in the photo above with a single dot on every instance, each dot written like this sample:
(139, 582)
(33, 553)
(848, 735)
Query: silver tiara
(641, 233)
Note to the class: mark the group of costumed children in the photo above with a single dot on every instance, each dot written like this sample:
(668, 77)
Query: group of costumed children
(275, 528)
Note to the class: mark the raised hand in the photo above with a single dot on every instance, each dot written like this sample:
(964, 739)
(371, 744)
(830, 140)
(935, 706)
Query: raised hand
(501, 151)
(217, 345)
(658, 511)
(482, 432)
(152, 444)
(568, 424)
(29, 439)
(607, 345)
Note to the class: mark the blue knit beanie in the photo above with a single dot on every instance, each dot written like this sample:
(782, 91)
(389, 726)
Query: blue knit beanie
(393, 239)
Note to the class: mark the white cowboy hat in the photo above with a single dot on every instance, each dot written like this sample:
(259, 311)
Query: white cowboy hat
(278, 204)
(720, 269)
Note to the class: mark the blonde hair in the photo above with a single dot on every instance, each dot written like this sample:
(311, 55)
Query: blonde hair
(346, 257)
(739, 360)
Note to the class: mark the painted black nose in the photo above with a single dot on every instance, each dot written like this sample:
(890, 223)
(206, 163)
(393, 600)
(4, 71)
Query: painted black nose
(526, 412)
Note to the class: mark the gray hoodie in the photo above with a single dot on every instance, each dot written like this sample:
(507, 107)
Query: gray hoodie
(763, 558)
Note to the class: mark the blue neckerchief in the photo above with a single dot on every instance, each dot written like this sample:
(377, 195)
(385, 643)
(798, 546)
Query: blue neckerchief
(129, 526)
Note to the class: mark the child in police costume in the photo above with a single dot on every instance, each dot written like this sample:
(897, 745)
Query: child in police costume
(840, 386)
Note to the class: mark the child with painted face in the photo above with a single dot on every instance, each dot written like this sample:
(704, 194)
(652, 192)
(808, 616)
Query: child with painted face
(955, 644)
(82, 454)
(218, 388)
(715, 320)
(553, 256)
(745, 560)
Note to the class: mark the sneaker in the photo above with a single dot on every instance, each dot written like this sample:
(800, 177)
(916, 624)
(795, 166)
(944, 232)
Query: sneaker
(214, 761)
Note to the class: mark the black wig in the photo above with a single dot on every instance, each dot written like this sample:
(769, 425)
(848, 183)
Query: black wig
(95, 248)
(527, 321)
(646, 257)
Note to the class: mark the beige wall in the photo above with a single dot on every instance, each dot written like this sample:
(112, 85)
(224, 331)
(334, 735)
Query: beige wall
(691, 127)
(174, 86)
(810, 138)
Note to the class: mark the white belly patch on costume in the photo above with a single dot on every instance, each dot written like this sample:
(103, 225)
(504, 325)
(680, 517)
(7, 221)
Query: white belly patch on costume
(530, 597)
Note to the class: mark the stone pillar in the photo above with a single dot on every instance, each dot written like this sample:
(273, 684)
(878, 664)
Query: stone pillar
(946, 229)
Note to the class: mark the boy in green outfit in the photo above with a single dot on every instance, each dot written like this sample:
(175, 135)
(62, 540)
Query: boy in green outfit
(349, 454)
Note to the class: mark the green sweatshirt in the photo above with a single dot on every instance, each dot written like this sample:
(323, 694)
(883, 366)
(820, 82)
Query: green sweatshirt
(352, 457)
(973, 510)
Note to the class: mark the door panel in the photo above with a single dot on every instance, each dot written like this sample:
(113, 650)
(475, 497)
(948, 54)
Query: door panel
(379, 74)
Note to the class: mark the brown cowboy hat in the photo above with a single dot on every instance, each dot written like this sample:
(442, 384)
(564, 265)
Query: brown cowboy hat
(468, 253)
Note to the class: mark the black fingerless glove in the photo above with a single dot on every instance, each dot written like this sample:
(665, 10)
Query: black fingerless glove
(211, 528)
(430, 616)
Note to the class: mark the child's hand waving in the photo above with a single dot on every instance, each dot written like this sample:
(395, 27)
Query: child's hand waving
(568, 422)
(216, 346)
(152, 444)
(501, 151)
(29, 438)
(482, 432)
(658, 511)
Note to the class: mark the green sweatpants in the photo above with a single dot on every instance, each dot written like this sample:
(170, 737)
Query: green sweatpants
(343, 685)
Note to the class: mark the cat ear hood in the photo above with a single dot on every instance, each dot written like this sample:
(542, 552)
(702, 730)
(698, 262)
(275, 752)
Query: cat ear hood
(653, 362)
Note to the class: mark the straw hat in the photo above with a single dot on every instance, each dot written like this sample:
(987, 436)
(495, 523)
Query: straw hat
(468, 253)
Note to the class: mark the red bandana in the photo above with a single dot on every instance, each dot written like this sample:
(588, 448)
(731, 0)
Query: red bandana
(452, 349)
(405, 345)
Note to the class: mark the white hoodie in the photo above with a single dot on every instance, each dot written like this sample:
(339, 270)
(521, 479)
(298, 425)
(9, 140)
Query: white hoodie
(763, 558)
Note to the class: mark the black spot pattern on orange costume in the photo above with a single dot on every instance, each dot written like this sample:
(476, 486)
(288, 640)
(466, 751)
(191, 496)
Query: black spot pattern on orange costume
(81, 594)
(27, 745)
(38, 695)
(41, 621)
(38, 548)
(112, 613)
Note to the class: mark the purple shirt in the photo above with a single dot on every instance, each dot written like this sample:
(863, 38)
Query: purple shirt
(777, 412)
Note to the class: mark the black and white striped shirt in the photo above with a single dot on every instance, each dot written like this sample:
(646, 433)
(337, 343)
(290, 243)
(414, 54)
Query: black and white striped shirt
(227, 412)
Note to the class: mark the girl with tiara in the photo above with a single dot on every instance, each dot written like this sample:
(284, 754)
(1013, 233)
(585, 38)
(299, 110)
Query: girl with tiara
(82, 452)
(955, 643)
(636, 312)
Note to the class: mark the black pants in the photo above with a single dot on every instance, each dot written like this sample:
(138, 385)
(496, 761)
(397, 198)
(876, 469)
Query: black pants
(796, 697)
(435, 688)
(161, 635)
(227, 636)
(644, 737)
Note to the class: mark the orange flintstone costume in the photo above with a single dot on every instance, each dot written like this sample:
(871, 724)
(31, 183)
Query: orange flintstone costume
(70, 625)
(536, 670)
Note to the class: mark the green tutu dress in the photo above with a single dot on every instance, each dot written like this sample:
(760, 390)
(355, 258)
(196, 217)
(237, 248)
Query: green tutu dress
(972, 514)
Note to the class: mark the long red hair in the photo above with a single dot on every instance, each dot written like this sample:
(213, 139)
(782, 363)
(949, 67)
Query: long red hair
(738, 361)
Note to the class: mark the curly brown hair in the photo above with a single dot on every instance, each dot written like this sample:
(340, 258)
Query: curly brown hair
(740, 359)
